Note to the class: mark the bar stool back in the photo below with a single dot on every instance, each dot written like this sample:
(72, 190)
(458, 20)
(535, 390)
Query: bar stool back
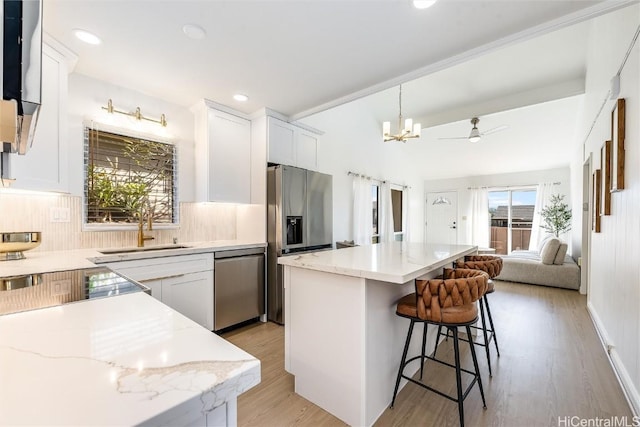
(492, 265)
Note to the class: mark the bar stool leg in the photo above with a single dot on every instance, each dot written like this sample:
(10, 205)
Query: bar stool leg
(435, 350)
(475, 364)
(486, 337)
(404, 357)
(495, 339)
(456, 350)
(424, 345)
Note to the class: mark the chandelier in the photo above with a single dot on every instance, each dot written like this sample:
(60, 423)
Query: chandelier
(405, 132)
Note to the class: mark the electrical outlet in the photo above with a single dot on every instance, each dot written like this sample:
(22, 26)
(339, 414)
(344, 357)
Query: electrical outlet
(57, 214)
(61, 287)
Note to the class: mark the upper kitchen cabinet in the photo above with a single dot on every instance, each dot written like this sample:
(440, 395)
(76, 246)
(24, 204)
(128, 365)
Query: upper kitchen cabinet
(44, 167)
(223, 154)
(292, 145)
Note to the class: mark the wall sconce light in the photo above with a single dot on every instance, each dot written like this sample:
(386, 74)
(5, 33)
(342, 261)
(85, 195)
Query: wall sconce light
(137, 114)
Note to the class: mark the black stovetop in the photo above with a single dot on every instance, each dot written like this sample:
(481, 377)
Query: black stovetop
(33, 291)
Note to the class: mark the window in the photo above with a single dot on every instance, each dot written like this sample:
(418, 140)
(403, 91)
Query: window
(396, 208)
(396, 204)
(375, 193)
(126, 177)
(511, 213)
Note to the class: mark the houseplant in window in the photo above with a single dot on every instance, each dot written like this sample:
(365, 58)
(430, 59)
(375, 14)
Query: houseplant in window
(556, 216)
(128, 178)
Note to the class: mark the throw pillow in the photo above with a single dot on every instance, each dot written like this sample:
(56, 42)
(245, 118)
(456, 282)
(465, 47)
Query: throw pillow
(548, 254)
(544, 242)
(562, 252)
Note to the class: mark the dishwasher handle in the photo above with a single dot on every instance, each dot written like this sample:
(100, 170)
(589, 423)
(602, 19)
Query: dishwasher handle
(238, 252)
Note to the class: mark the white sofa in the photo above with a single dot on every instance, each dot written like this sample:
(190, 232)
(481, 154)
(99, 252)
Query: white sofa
(528, 267)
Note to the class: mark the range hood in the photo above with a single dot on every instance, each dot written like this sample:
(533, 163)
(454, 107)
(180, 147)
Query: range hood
(21, 82)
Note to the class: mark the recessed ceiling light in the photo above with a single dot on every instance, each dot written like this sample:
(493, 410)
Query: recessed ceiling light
(86, 36)
(240, 97)
(193, 31)
(423, 4)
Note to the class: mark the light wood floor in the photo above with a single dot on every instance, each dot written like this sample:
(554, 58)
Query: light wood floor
(551, 365)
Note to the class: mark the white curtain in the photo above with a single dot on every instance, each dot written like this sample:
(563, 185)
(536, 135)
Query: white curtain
(362, 211)
(543, 193)
(480, 217)
(405, 214)
(386, 213)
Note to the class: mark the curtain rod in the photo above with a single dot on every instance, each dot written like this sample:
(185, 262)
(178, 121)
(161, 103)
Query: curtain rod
(376, 179)
(513, 186)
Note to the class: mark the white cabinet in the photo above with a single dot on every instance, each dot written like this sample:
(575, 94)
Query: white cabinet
(187, 295)
(44, 166)
(291, 145)
(281, 138)
(223, 155)
(184, 283)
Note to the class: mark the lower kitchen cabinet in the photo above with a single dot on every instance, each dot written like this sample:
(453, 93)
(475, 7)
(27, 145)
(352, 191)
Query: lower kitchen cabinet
(191, 295)
(184, 283)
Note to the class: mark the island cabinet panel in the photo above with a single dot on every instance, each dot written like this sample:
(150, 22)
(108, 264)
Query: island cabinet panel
(184, 283)
(223, 156)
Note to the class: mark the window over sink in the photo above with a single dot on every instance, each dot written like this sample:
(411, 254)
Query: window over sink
(128, 179)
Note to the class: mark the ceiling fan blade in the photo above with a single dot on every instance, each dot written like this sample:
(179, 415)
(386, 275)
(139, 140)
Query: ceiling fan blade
(457, 137)
(494, 130)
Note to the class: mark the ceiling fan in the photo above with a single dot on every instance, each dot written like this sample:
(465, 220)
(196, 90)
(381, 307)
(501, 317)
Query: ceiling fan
(475, 134)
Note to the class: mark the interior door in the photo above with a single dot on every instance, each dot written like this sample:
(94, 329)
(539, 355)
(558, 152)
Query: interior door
(442, 217)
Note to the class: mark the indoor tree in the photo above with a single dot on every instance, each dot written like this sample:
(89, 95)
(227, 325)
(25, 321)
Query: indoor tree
(556, 216)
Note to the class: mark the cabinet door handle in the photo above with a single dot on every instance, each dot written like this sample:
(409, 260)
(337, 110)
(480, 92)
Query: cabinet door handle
(161, 278)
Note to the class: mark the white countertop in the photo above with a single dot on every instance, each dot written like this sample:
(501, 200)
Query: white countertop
(114, 361)
(395, 262)
(41, 262)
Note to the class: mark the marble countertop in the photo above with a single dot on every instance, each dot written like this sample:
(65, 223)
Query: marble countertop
(395, 262)
(123, 360)
(40, 262)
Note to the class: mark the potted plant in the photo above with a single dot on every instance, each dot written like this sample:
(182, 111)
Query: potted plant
(556, 216)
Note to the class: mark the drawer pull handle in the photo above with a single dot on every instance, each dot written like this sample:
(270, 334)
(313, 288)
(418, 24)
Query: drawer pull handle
(161, 278)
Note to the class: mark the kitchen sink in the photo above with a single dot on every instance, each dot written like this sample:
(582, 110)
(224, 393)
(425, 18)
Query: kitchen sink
(143, 249)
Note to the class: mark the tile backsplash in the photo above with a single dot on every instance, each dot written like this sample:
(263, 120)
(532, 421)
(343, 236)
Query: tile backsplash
(198, 222)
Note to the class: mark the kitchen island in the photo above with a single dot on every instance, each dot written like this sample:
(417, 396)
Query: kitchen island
(122, 360)
(343, 340)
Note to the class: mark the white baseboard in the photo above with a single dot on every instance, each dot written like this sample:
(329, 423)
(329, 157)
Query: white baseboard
(628, 388)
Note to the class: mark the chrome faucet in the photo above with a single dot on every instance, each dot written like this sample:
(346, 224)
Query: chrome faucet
(141, 220)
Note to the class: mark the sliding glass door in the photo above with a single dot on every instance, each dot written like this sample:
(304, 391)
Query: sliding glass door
(511, 213)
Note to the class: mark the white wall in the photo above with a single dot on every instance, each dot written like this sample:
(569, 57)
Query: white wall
(614, 293)
(88, 95)
(353, 142)
(359, 148)
(461, 186)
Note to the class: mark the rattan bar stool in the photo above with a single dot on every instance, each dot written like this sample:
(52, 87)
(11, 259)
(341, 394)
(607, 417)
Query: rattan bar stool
(448, 302)
(492, 265)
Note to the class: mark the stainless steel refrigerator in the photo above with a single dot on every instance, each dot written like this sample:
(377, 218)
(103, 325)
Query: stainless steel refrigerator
(299, 219)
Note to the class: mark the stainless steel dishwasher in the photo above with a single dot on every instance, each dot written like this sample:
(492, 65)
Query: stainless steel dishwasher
(238, 286)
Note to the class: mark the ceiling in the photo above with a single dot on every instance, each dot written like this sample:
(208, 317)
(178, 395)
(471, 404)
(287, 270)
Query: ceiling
(520, 63)
(301, 57)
